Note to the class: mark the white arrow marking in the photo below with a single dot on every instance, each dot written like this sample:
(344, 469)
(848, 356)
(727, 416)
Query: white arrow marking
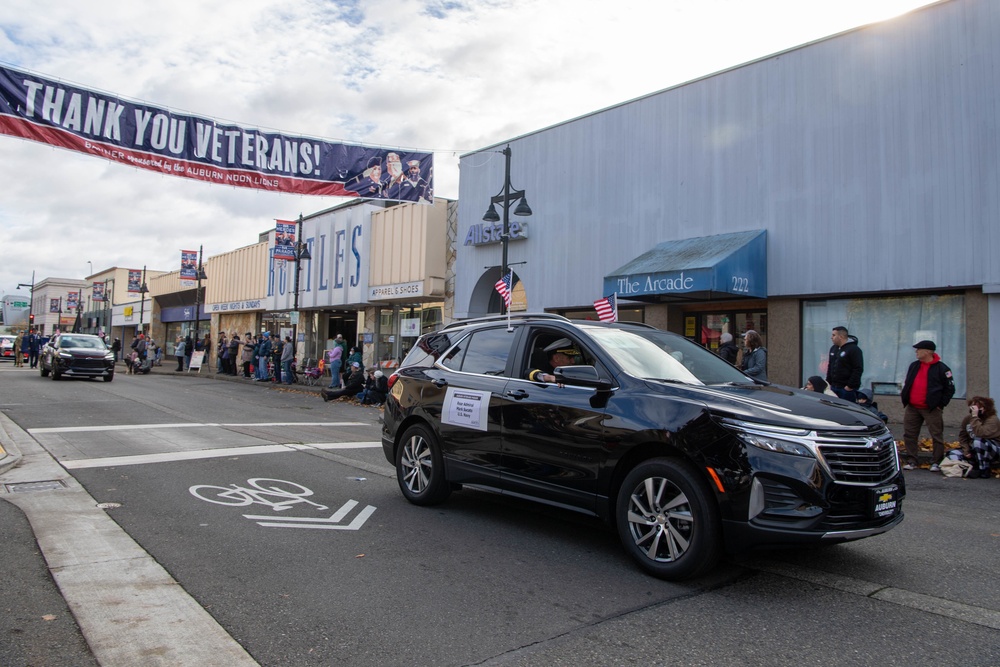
(321, 524)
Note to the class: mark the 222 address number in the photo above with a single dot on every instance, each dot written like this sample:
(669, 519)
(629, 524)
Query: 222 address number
(741, 285)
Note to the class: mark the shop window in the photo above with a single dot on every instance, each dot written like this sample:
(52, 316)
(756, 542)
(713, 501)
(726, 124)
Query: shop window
(886, 329)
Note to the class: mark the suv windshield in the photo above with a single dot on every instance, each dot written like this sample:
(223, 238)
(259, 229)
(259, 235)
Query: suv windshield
(658, 355)
(92, 343)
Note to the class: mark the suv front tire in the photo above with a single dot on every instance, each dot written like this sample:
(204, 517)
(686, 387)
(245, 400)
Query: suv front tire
(667, 521)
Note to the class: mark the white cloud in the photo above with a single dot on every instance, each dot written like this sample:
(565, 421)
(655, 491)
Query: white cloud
(438, 75)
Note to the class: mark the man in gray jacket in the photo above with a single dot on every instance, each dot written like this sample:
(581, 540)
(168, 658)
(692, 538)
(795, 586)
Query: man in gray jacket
(287, 355)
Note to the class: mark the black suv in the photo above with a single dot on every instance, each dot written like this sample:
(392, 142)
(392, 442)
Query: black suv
(77, 355)
(679, 450)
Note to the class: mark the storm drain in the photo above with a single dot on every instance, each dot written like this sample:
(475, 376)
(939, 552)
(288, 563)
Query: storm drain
(30, 487)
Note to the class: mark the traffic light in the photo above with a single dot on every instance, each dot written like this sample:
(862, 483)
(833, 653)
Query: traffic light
(31, 318)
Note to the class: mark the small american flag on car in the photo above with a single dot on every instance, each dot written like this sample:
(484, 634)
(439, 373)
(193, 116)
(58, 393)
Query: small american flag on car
(607, 308)
(503, 287)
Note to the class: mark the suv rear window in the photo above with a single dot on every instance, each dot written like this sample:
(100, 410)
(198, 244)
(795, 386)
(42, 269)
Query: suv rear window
(485, 352)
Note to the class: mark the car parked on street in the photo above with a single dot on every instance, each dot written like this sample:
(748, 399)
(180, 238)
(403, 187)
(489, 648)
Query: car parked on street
(7, 347)
(687, 457)
(76, 355)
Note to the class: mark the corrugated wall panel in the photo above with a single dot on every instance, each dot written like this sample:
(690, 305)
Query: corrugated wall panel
(870, 158)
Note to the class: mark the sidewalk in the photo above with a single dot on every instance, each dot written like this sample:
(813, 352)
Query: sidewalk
(169, 367)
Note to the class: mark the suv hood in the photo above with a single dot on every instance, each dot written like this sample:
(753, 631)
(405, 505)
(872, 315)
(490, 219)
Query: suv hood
(776, 405)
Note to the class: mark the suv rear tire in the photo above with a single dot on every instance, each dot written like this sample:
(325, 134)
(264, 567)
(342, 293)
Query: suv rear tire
(667, 520)
(420, 467)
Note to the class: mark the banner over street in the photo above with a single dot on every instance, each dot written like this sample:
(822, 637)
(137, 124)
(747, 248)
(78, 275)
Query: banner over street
(157, 139)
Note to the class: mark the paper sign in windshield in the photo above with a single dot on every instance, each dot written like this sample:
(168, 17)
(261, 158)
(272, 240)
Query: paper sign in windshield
(466, 407)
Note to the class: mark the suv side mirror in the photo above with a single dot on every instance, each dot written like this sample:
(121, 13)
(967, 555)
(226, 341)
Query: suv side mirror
(581, 376)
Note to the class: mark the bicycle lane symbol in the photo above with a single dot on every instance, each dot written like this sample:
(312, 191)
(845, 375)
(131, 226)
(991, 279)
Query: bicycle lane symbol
(280, 495)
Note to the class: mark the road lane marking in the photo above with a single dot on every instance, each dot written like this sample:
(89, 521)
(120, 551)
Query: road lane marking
(166, 457)
(331, 523)
(129, 427)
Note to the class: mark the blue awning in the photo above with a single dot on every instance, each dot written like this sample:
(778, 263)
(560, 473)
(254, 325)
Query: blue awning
(708, 267)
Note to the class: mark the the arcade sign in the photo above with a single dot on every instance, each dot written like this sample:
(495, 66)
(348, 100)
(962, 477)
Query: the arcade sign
(484, 234)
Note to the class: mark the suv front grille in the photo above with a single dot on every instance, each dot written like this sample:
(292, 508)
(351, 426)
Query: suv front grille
(859, 459)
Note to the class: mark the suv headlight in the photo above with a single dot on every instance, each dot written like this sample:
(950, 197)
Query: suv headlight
(771, 438)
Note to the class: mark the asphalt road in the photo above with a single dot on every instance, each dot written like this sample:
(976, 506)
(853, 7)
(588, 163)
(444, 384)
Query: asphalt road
(369, 579)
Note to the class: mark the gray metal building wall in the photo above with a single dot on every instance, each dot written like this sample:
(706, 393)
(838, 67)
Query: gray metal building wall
(870, 157)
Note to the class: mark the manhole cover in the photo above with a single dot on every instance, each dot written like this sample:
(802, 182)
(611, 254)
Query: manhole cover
(108, 506)
(28, 487)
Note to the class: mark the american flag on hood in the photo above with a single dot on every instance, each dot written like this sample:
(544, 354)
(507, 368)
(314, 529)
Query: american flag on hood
(503, 287)
(607, 308)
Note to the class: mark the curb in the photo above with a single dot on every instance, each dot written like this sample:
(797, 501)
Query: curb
(10, 453)
(124, 602)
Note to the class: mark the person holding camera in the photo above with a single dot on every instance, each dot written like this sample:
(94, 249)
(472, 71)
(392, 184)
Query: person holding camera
(979, 436)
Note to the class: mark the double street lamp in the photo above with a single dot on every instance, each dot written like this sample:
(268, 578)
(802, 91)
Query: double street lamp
(143, 291)
(31, 301)
(197, 297)
(505, 198)
(301, 254)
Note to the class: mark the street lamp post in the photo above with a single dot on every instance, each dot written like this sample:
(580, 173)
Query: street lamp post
(143, 291)
(505, 198)
(301, 253)
(109, 306)
(197, 299)
(31, 301)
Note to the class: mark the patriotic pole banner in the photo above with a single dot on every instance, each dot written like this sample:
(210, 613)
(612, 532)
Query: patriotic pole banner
(134, 282)
(607, 308)
(284, 240)
(55, 305)
(189, 268)
(157, 139)
(72, 300)
(97, 291)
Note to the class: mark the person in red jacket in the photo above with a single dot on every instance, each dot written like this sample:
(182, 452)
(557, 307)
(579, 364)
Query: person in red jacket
(928, 388)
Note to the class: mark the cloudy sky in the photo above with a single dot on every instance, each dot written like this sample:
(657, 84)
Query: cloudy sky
(448, 76)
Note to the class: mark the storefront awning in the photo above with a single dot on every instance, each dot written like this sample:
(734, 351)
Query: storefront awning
(704, 268)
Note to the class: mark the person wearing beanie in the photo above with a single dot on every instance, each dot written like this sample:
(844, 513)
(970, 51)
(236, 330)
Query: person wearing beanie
(819, 385)
(727, 348)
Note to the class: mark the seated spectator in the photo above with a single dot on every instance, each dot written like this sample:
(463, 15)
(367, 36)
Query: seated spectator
(353, 384)
(819, 385)
(979, 436)
(865, 400)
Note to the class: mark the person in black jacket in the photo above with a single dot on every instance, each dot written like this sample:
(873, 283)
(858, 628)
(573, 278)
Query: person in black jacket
(353, 384)
(727, 348)
(928, 388)
(846, 365)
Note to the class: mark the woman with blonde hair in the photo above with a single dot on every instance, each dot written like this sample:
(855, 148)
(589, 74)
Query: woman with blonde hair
(979, 436)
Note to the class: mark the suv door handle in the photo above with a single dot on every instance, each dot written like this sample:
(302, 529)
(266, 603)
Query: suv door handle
(518, 394)
(440, 382)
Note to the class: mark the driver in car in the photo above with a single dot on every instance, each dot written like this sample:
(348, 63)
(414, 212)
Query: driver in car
(562, 352)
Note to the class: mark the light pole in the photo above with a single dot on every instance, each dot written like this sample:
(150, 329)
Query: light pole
(197, 299)
(301, 253)
(505, 199)
(109, 305)
(31, 301)
(143, 291)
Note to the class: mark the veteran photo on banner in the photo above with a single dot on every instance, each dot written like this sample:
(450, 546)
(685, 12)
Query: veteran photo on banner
(156, 139)
(189, 268)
